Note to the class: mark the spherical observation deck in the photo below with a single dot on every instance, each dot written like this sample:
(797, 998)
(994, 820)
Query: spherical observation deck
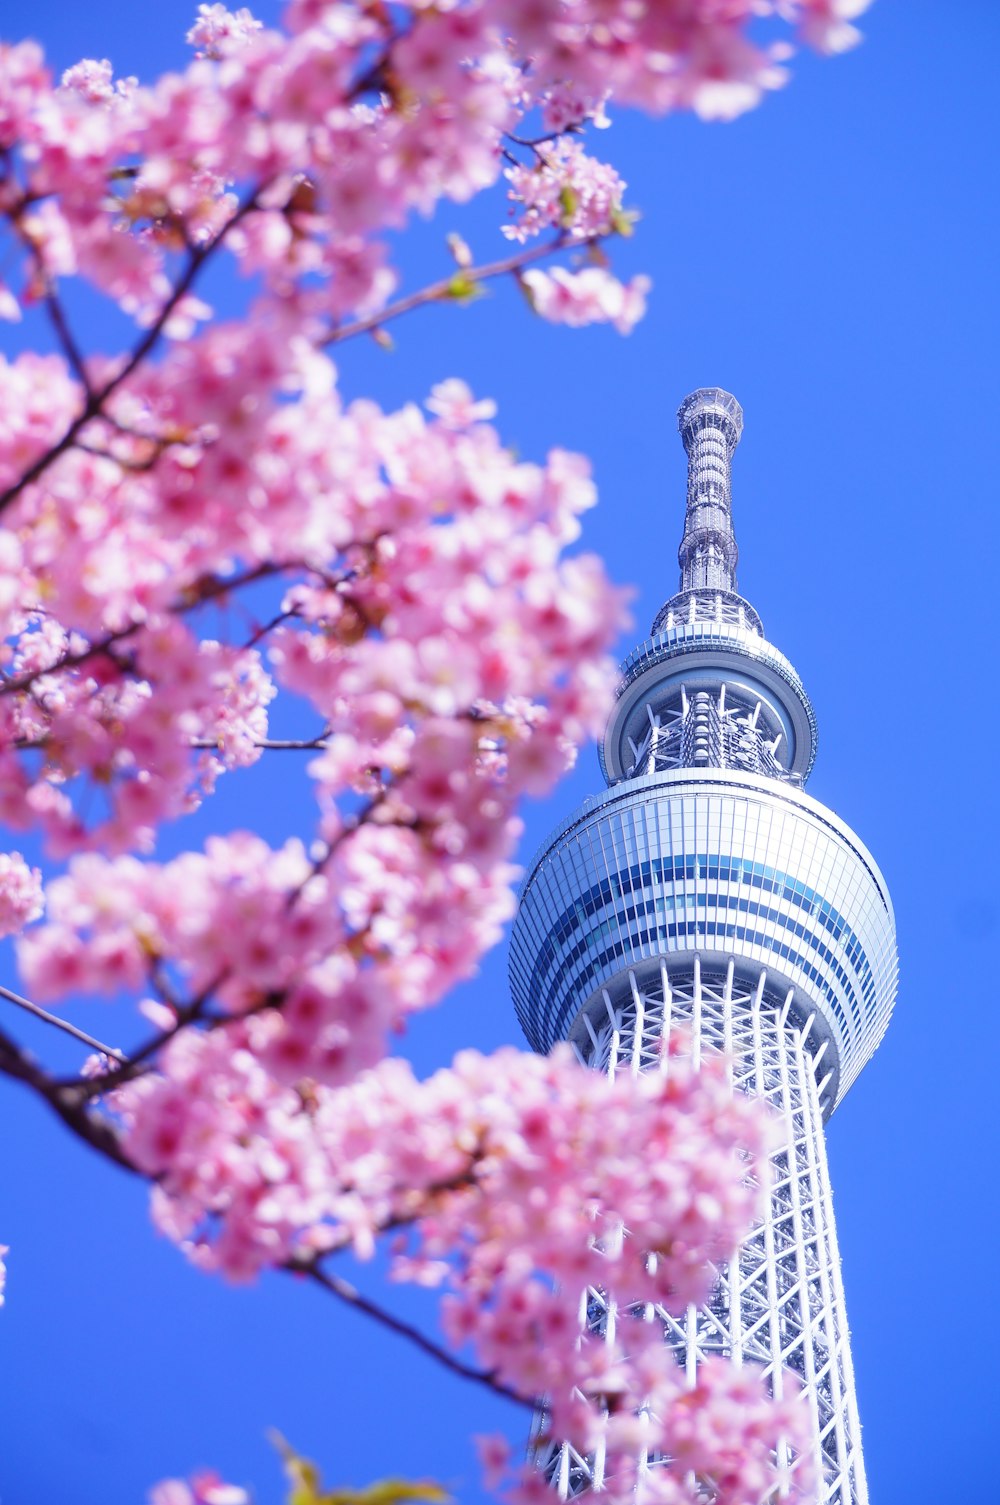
(723, 866)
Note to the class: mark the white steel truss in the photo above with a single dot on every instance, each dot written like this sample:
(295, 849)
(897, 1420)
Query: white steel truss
(702, 729)
(780, 1304)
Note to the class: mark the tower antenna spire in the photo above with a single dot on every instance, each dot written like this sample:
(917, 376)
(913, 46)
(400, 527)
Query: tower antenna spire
(710, 422)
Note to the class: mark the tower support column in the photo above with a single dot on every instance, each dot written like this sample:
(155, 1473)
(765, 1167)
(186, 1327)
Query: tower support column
(780, 1304)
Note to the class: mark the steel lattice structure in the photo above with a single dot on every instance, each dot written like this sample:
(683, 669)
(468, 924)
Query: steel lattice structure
(706, 890)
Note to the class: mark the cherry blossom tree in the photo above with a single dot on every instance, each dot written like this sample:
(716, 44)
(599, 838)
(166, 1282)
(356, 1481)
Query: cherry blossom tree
(198, 530)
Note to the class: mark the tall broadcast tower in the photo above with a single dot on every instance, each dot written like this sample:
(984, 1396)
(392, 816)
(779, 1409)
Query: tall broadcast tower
(706, 891)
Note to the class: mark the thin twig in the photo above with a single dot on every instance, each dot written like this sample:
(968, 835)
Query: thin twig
(208, 590)
(95, 400)
(261, 632)
(536, 141)
(71, 350)
(141, 1059)
(132, 467)
(68, 661)
(345, 1292)
(464, 277)
(268, 744)
(50, 299)
(63, 1024)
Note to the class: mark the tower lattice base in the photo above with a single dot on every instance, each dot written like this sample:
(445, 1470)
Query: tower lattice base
(780, 1305)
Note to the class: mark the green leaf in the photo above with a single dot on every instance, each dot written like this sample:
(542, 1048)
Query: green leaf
(623, 221)
(306, 1488)
(389, 1491)
(569, 203)
(463, 288)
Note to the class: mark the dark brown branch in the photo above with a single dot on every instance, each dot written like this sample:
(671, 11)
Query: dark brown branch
(60, 323)
(209, 589)
(141, 1059)
(50, 299)
(347, 1293)
(261, 632)
(69, 661)
(65, 1102)
(536, 141)
(132, 467)
(95, 400)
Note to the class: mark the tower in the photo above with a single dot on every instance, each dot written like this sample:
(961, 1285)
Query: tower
(706, 890)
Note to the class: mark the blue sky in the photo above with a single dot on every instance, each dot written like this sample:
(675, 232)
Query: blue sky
(831, 259)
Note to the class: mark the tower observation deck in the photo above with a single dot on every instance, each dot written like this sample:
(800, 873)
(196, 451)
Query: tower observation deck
(706, 890)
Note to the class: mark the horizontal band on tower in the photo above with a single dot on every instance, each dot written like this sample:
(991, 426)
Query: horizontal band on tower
(673, 865)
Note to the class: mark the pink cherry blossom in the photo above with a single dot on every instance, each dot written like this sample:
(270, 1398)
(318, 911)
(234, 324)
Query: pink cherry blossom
(592, 296)
(565, 189)
(513, 1177)
(201, 1489)
(453, 403)
(219, 31)
(828, 26)
(21, 899)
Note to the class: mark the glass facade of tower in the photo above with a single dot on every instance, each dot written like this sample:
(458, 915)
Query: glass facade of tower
(705, 887)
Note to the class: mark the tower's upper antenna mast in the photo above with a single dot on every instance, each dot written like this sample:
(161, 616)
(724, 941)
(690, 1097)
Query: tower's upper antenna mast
(710, 422)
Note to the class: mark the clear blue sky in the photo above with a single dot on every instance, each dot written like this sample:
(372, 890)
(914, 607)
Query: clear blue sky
(831, 259)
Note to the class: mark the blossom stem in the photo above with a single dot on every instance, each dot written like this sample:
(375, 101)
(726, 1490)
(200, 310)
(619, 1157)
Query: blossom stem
(468, 277)
(271, 744)
(345, 1292)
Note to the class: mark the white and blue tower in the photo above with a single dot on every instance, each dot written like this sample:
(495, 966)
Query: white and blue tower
(706, 891)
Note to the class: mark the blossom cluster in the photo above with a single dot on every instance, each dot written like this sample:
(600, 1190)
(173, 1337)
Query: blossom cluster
(338, 950)
(202, 1489)
(420, 576)
(588, 297)
(719, 1437)
(137, 492)
(21, 898)
(301, 147)
(565, 189)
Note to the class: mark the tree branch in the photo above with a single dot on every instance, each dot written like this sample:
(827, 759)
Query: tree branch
(271, 744)
(69, 661)
(465, 278)
(63, 1024)
(95, 400)
(67, 1100)
(209, 589)
(141, 1059)
(347, 1293)
(60, 323)
(64, 1102)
